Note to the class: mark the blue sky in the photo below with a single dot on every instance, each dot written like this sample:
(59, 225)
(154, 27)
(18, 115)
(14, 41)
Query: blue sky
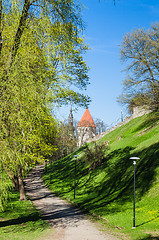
(106, 26)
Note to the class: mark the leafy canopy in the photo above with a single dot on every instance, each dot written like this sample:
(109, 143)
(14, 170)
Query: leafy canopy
(41, 65)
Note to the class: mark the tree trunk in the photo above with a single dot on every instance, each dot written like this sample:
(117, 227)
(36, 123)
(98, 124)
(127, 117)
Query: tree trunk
(21, 186)
(14, 179)
(20, 29)
(15, 183)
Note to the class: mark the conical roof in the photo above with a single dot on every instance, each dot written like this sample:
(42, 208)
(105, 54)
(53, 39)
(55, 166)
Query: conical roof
(86, 120)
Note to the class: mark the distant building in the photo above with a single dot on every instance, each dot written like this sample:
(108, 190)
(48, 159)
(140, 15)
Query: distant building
(86, 128)
(70, 123)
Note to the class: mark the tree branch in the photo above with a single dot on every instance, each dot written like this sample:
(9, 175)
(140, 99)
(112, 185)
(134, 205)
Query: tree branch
(20, 29)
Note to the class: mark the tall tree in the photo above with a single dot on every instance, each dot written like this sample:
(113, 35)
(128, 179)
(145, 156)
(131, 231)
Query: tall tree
(141, 50)
(40, 61)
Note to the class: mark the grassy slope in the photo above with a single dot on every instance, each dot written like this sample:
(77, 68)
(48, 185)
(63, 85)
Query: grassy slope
(108, 190)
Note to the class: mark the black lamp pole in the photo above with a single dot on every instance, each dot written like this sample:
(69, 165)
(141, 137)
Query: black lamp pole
(75, 177)
(134, 162)
(122, 116)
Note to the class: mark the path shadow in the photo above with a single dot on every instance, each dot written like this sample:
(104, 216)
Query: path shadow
(63, 217)
(55, 211)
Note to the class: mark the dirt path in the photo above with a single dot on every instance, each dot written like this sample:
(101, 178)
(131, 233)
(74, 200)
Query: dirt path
(69, 222)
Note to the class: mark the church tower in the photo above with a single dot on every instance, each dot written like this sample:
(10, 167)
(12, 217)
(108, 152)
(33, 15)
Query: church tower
(86, 128)
(70, 122)
(70, 118)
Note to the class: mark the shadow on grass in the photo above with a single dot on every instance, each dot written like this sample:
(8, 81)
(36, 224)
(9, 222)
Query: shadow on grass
(20, 215)
(63, 170)
(149, 237)
(151, 121)
(146, 169)
(31, 217)
(119, 181)
(147, 221)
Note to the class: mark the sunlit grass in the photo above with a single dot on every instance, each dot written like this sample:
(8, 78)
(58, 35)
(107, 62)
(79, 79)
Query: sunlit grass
(21, 221)
(108, 190)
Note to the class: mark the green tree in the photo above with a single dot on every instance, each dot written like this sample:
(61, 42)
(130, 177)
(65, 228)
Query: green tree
(40, 61)
(140, 50)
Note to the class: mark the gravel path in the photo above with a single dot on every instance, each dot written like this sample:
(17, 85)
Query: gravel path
(69, 222)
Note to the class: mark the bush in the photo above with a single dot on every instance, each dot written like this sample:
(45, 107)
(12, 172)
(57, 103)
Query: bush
(94, 154)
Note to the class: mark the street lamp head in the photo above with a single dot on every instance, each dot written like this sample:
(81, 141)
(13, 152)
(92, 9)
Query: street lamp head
(134, 158)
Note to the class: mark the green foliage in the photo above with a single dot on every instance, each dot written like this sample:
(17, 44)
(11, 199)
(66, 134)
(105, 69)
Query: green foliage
(41, 64)
(5, 186)
(108, 190)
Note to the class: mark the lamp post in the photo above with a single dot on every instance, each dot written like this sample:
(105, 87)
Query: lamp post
(134, 162)
(75, 176)
(122, 116)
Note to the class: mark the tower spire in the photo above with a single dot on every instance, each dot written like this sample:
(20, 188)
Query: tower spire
(70, 117)
(70, 122)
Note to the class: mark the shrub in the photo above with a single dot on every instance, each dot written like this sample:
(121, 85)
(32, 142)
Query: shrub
(94, 154)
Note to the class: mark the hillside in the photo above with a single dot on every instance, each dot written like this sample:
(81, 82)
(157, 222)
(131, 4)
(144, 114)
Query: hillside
(107, 189)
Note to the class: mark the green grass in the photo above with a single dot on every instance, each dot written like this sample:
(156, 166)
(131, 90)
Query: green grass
(108, 190)
(21, 221)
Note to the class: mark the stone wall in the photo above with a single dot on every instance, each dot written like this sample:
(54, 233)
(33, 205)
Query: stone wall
(140, 111)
